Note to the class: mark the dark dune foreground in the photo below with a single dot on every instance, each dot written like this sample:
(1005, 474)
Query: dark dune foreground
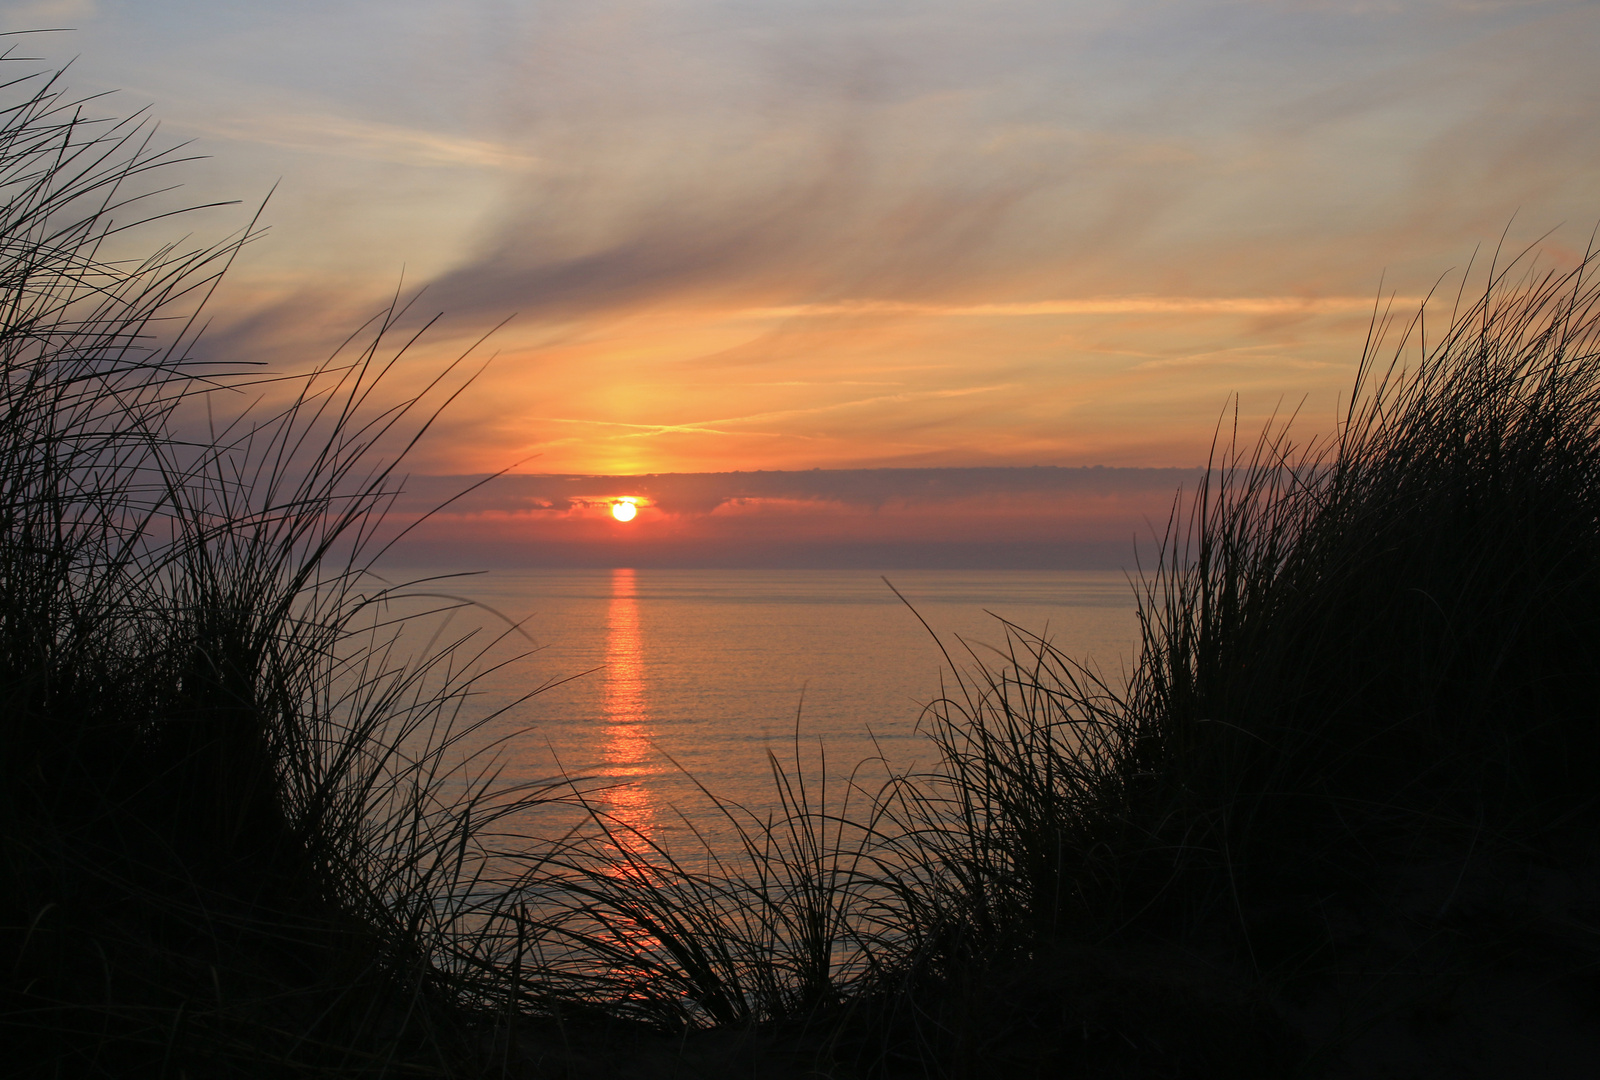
(1340, 823)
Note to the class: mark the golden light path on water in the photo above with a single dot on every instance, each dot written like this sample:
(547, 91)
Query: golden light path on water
(626, 743)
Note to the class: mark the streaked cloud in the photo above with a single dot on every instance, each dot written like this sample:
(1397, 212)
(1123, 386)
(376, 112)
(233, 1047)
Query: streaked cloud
(1103, 305)
(45, 14)
(871, 518)
(703, 493)
(368, 140)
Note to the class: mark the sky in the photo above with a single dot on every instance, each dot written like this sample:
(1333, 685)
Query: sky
(733, 236)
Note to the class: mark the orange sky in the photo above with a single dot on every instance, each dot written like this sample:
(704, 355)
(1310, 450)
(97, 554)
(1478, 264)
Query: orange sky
(763, 234)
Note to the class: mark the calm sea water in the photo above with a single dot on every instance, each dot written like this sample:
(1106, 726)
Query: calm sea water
(669, 679)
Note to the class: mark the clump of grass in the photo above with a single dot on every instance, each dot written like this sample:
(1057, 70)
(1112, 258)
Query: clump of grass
(1365, 690)
(1383, 643)
(236, 828)
(776, 930)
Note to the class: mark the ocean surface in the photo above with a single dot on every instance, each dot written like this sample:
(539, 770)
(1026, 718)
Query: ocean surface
(663, 682)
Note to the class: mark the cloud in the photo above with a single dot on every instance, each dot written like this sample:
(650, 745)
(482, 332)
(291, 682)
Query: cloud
(833, 231)
(348, 137)
(720, 425)
(47, 14)
(697, 494)
(1101, 305)
(864, 518)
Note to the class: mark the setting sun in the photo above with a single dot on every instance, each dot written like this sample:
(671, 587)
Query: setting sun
(623, 510)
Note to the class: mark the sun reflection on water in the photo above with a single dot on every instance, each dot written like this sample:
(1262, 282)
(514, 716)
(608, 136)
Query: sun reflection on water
(626, 746)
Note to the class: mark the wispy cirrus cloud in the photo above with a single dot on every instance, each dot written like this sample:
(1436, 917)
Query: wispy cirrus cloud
(368, 140)
(1098, 305)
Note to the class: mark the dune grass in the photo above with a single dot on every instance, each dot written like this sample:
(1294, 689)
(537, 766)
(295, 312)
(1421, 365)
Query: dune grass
(1379, 643)
(1363, 706)
(235, 824)
(241, 835)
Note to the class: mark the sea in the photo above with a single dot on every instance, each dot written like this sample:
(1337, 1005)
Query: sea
(657, 691)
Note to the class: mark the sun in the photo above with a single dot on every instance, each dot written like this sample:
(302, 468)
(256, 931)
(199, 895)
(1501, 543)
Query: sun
(624, 510)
